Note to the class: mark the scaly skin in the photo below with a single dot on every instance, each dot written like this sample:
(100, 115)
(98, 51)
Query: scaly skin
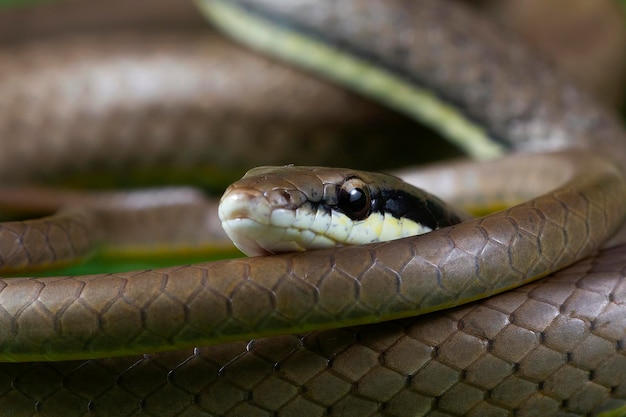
(554, 346)
(142, 90)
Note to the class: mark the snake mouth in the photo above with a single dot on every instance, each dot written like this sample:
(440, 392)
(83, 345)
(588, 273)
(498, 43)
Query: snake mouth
(263, 223)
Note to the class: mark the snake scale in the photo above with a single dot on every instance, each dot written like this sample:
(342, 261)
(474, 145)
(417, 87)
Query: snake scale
(551, 347)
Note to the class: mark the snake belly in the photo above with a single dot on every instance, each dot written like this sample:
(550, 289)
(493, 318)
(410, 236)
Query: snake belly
(550, 347)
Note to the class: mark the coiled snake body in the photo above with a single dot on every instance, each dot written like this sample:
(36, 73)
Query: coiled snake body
(555, 346)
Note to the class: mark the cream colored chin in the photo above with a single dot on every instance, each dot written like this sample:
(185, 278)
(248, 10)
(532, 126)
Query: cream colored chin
(254, 239)
(280, 230)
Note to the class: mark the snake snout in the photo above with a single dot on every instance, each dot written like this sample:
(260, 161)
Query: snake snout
(256, 220)
(245, 216)
(244, 203)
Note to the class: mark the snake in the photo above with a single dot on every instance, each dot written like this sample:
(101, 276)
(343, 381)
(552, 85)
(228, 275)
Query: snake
(555, 346)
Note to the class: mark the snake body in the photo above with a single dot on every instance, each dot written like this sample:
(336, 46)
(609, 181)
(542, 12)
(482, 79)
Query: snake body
(555, 346)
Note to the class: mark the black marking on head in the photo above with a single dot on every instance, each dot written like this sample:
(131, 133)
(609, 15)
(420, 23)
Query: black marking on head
(357, 200)
(425, 210)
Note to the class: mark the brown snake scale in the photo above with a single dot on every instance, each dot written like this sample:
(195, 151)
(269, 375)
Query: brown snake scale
(570, 338)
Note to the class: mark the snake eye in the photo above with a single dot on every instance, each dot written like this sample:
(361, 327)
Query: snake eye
(353, 199)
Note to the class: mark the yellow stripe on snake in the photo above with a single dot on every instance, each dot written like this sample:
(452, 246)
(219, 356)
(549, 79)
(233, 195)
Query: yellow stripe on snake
(553, 347)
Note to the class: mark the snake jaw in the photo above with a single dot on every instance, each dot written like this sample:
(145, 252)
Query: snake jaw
(269, 222)
(263, 222)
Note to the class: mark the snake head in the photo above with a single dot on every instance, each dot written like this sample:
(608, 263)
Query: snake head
(290, 208)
